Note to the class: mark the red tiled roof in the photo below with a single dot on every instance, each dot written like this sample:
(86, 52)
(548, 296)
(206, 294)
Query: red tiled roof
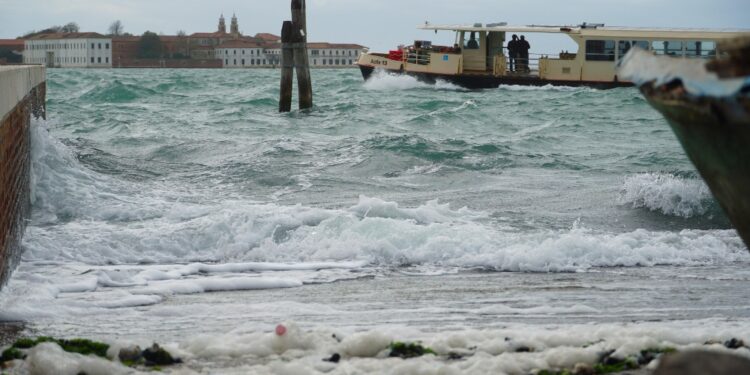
(126, 38)
(241, 44)
(209, 35)
(11, 42)
(268, 37)
(66, 36)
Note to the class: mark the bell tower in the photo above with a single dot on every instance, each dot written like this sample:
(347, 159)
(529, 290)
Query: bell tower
(235, 27)
(222, 25)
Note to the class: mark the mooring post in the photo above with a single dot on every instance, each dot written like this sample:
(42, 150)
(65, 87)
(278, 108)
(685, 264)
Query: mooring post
(287, 66)
(301, 60)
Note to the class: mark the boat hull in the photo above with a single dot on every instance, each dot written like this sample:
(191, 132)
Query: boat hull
(715, 133)
(489, 81)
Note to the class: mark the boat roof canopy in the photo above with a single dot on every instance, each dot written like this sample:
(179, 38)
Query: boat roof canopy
(597, 30)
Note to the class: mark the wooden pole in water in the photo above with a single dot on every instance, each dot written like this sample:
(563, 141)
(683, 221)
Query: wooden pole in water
(287, 66)
(301, 60)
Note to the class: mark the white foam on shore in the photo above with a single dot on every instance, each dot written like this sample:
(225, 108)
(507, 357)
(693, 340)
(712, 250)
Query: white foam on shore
(255, 350)
(667, 194)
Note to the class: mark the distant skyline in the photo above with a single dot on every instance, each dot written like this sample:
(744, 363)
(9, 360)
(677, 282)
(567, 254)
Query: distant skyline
(380, 24)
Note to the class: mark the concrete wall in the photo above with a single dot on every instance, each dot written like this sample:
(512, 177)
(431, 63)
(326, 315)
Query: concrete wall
(22, 94)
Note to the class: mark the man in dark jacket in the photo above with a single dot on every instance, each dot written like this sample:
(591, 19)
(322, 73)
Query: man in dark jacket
(513, 53)
(523, 54)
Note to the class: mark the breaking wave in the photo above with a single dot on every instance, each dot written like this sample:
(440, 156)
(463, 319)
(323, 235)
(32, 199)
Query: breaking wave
(384, 81)
(668, 194)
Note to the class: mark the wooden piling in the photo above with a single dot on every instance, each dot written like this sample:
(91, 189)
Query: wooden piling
(294, 55)
(287, 66)
(301, 60)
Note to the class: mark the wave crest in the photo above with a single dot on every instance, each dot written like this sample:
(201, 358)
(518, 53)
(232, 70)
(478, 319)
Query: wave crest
(667, 193)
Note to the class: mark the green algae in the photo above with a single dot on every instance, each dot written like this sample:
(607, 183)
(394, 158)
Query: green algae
(80, 346)
(409, 350)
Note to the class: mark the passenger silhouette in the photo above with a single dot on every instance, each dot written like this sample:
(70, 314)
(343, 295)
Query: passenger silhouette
(472, 43)
(523, 53)
(513, 53)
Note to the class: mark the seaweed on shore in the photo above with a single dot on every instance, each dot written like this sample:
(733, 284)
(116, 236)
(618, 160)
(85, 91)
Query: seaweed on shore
(409, 350)
(80, 346)
(610, 365)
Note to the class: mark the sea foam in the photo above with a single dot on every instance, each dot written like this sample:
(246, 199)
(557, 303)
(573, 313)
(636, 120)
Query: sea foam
(666, 193)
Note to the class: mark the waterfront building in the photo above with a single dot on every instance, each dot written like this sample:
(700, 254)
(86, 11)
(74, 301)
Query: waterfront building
(330, 55)
(254, 54)
(69, 50)
(243, 54)
(11, 51)
(203, 45)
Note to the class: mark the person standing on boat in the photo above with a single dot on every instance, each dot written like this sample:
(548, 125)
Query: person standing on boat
(513, 53)
(523, 54)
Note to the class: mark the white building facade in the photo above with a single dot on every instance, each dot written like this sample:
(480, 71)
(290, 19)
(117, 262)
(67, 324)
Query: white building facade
(329, 55)
(71, 50)
(240, 54)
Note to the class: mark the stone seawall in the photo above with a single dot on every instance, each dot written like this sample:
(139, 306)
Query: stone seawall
(22, 95)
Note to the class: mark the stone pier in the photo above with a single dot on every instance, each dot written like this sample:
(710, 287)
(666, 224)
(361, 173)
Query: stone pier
(22, 95)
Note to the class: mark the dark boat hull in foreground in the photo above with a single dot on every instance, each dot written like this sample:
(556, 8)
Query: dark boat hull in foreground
(488, 81)
(715, 133)
(709, 111)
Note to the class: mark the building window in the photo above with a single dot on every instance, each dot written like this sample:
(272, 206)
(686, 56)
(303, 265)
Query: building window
(93, 46)
(324, 61)
(315, 62)
(600, 50)
(351, 62)
(252, 61)
(100, 60)
(337, 62)
(243, 62)
(92, 60)
(106, 60)
(235, 52)
(107, 46)
(100, 46)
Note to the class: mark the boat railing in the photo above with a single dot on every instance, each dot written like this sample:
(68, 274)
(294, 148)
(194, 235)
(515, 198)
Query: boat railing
(421, 57)
(521, 65)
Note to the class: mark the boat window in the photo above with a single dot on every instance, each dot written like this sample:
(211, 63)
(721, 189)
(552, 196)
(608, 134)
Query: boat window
(600, 50)
(700, 49)
(668, 47)
(471, 41)
(624, 46)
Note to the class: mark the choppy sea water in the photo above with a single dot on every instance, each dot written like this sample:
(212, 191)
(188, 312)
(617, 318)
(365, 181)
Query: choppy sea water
(178, 206)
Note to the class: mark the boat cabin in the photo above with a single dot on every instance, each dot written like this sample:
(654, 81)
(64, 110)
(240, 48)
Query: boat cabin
(482, 51)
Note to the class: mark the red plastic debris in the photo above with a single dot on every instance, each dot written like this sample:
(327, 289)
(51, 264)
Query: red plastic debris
(280, 330)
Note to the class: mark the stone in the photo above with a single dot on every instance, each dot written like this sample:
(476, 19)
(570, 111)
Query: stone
(698, 362)
(335, 358)
(130, 354)
(157, 356)
(734, 343)
(583, 369)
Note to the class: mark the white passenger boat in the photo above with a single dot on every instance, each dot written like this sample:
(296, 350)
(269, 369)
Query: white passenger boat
(479, 58)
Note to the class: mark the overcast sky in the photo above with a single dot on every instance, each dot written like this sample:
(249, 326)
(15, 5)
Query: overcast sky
(378, 24)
